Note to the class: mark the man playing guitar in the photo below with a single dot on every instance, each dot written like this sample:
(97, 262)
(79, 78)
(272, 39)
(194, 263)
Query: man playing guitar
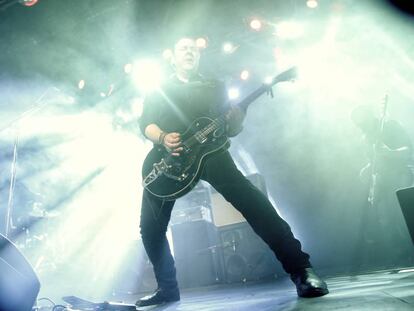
(166, 116)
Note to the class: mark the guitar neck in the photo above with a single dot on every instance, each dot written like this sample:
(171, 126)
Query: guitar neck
(244, 104)
(284, 76)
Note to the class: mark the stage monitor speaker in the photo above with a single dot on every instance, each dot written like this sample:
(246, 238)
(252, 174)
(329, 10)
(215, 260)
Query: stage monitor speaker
(406, 198)
(19, 285)
(246, 256)
(197, 254)
(223, 212)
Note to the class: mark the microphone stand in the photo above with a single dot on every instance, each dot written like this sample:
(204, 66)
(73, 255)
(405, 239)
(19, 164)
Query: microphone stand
(38, 105)
(374, 176)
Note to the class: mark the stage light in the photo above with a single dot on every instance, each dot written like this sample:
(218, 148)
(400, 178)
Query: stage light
(228, 48)
(255, 24)
(233, 93)
(244, 75)
(81, 84)
(289, 30)
(28, 2)
(167, 54)
(268, 80)
(312, 4)
(201, 43)
(128, 68)
(147, 75)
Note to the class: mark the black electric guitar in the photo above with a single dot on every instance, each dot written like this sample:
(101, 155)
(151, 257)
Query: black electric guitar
(170, 177)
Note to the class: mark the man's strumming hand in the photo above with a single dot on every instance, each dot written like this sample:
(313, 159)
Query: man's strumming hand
(172, 142)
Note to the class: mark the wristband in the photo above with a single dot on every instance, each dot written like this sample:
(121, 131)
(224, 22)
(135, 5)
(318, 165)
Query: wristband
(161, 138)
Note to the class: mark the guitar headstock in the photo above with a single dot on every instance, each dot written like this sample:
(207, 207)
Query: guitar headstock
(287, 75)
(384, 105)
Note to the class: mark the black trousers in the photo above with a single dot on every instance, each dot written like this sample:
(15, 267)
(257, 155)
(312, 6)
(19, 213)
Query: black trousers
(221, 172)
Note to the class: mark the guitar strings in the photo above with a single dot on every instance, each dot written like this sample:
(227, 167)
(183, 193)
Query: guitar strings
(200, 135)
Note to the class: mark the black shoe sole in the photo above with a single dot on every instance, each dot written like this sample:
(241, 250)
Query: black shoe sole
(144, 304)
(317, 292)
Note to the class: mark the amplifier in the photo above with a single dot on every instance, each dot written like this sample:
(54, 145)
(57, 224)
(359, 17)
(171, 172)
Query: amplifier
(192, 213)
(197, 253)
(246, 256)
(406, 200)
(194, 206)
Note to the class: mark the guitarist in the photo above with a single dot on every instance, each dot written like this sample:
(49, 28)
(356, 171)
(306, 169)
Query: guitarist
(167, 113)
(389, 151)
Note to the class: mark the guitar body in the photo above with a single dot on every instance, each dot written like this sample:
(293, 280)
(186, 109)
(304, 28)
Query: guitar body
(177, 175)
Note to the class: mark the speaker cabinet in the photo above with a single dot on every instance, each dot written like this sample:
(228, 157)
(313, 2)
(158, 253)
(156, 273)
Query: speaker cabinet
(223, 212)
(406, 200)
(246, 256)
(197, 254)
(19, 285)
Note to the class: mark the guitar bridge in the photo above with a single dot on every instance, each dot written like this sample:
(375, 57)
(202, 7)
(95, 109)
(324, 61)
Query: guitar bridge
(157, 171)
(162, 168)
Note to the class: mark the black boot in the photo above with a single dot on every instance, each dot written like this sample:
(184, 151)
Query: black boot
(160, 296)
(308, 284)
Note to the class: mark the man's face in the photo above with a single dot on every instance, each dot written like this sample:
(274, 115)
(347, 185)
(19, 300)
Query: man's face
(186, 55)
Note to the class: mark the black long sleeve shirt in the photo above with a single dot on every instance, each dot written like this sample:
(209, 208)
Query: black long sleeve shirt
(177, 104)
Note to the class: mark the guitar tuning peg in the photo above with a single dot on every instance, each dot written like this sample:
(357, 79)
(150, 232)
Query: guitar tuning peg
(269, 91)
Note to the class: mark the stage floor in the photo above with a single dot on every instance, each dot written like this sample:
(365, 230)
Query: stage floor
(382, 290)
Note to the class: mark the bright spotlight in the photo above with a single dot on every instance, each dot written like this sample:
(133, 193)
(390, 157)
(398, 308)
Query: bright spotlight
(233, 93)
(289, 30)
(228, 48)
(244, 75)
(147, 75)
(312, 4)
(255, 24)
(201, 43)
(81, 84)
(268, 80)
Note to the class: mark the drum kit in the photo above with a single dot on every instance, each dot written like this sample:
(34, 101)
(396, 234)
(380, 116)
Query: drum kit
(32, 233)
(28, 222)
